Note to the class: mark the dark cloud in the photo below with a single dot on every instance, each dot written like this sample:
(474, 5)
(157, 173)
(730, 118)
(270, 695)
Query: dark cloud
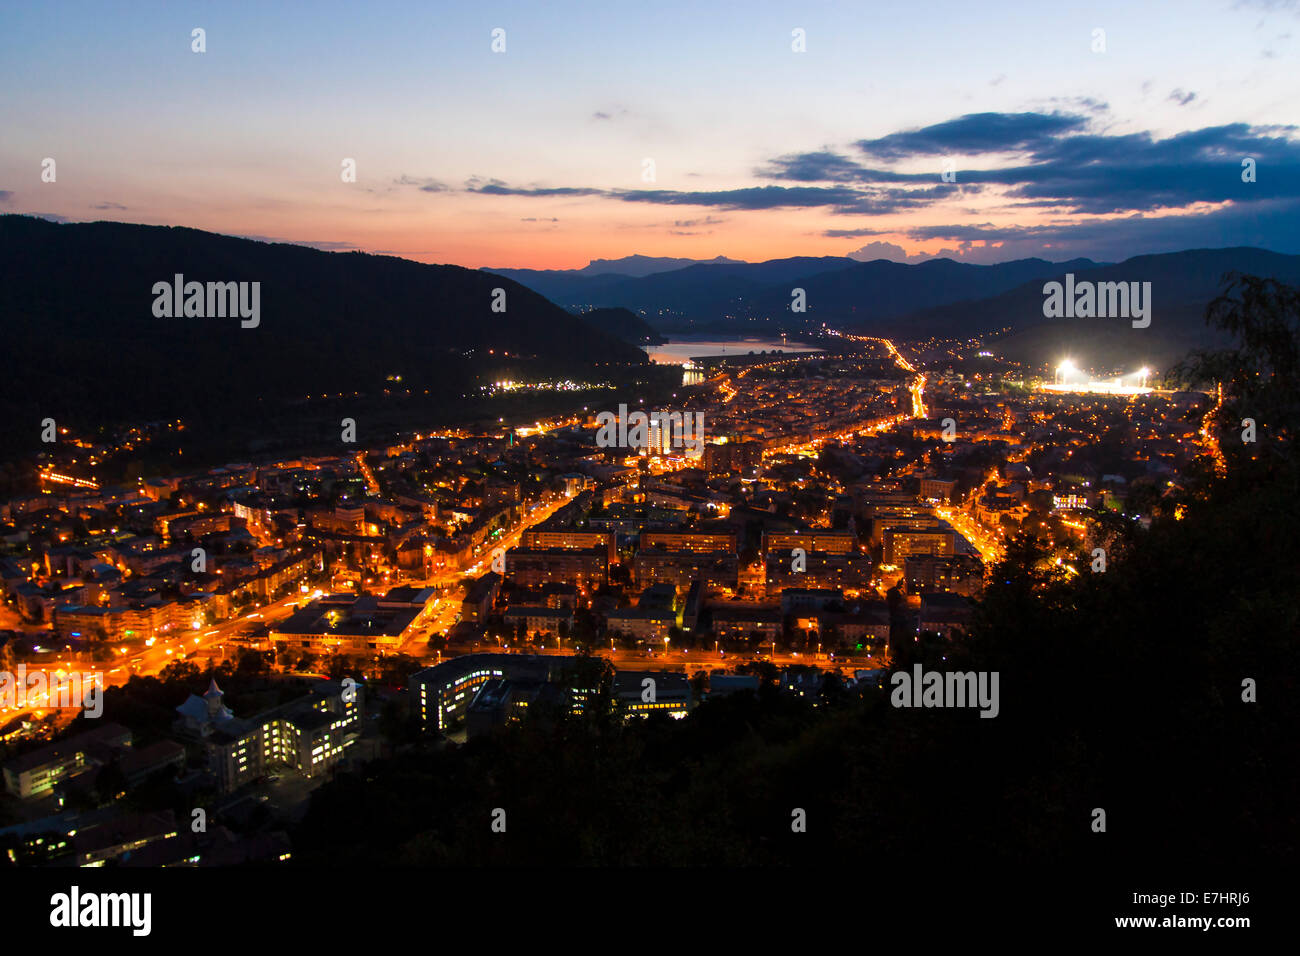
(825, 166)
(1181, 97)
(1075, 104)
(424, 183)
(1108, 174)
(107, 205)
(1067, 164)
(495, 187)
(974, 133)
(6, 195)
(842, 200)
(878, 202)
(1269, 224)
(752, 197)
(852, 233)
(1083, 172)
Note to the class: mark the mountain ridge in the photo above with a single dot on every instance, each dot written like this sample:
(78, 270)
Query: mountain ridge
(344, 323)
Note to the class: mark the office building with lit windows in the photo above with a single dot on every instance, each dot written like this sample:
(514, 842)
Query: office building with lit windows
(588, 568)
(812, 539)
(39, 772)
(903, 543)
(442, 695)
(310, 735)
(694, 541)
(668, 693)
(718, 570)
(958, 574)
(570, 539)
(500, 703)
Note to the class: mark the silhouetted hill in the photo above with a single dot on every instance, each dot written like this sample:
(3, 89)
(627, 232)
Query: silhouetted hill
(937, 297)
(1182, 285)
(838, 291)
(704, 292)
(881, 289)
(83, 343)
(632, 266)
(626, 325)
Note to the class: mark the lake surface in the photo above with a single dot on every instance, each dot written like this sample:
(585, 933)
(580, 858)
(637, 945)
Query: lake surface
(679, 351)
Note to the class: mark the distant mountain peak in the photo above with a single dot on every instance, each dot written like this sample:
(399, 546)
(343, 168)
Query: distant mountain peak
(639, 265)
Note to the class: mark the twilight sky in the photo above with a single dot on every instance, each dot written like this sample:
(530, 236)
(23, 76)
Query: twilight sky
(536, 157)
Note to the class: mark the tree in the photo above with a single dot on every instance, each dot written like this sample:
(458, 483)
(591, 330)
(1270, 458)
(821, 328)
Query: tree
(180, 672)
(251, 663)
(398, 726)
(584, 628)
(398, 669)
(699, 684)
(110, 784)
(1259, 375)
(340, 666)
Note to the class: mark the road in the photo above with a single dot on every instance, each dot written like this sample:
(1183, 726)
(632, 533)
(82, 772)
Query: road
(986, 543)
(688, 661)
(1209, 431)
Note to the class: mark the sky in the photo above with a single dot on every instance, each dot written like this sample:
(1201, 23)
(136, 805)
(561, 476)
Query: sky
(691, 129)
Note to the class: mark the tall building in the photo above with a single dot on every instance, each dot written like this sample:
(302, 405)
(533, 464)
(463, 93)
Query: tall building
(310, 735)
(37, 773)
(442, 695)
(569, 539)
(588, 568)
(809, 539)
(698, 541)
(958, 574)
(903, 543)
